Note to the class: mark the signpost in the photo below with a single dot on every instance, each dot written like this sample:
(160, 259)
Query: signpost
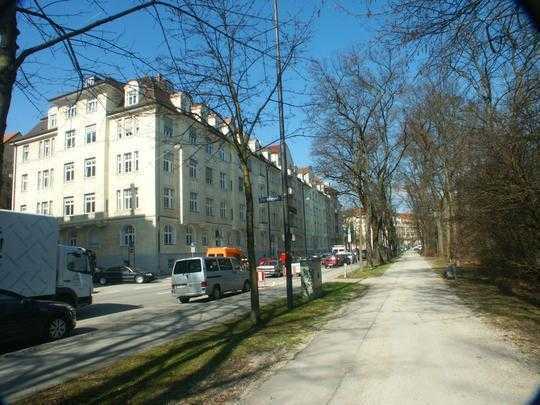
(192, 248)
(269, 199)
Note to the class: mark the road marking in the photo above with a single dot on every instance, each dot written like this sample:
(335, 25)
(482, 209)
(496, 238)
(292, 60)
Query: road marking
(163, 292)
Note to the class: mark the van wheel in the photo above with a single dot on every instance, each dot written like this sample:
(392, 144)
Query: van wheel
(183, 300)
(139, 279)
(216, 293)
(102, 280)
(246, 286)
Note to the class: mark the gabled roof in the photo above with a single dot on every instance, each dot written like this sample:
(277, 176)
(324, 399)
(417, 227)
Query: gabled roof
(10, 136)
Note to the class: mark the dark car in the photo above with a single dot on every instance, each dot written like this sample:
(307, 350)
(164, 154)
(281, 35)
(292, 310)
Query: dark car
(24, 319)
(123, 274)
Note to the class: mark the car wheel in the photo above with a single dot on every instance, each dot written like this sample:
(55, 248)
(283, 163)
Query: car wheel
(183, 300)
(139, 279)
(102, 280)
(246, 286)
(57, 328)
(216, 292)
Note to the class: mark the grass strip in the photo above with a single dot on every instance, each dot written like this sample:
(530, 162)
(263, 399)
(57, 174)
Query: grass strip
(213, 365)
(515, 316)
(367, 272)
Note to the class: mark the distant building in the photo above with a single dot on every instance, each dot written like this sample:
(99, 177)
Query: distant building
(7, 171)
(406, 229)
(354, 224)
(136, 172)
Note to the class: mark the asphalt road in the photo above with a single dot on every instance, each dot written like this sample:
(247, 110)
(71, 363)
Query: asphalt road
(409, 340)
(123, 319)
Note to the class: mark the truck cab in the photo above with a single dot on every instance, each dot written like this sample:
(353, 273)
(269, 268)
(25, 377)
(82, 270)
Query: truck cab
(74, 277)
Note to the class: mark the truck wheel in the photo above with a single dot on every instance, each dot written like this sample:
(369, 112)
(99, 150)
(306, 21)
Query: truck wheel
(139, 279)
(246, 286)
(216, 293)
(102, 280)
(183, 300)
(57, 328)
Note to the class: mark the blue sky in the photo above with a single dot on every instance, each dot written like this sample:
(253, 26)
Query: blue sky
(333, 30)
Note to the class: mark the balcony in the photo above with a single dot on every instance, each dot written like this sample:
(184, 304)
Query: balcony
(94, 218)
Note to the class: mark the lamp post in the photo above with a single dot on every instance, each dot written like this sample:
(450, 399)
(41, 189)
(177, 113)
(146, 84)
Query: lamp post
(284, 166)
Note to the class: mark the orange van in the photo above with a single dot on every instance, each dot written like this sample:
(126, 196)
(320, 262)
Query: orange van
(226, 251)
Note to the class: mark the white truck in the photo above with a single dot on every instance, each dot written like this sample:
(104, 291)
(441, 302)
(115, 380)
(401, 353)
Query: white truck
(35, 265)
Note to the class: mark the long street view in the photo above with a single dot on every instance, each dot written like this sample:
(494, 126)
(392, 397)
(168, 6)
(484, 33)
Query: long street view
(269, 202)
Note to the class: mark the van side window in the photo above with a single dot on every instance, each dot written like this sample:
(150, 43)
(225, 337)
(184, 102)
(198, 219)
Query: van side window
(187, 266)
(236, 264)
(225, 264)
(76, 262)
(212, 265)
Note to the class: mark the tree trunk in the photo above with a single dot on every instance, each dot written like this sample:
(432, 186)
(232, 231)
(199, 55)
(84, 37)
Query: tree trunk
(8, 71)
(250, 242)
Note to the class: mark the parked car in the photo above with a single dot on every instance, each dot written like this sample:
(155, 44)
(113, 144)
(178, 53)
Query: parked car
(123, 274)
(332, 261)
(271, 267)
(23, 319)
(212, 276)
(263, 260)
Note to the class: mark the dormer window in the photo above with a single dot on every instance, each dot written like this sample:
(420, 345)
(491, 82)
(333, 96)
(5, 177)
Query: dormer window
(132, 97)
(91, 106)
(71, 111)
(52, 121)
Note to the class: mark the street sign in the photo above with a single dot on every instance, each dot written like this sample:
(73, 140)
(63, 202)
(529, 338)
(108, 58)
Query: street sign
(269, 199)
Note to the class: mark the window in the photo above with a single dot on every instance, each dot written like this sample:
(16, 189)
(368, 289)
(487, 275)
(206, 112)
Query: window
(73, 238)
(118, 164)
(39, 180)
(46, 179)
(209, 175)
(52, 121)
(89, 203)
(132, 97)
(167, 162)
(22, 208)
(169, 237)
(232, 214)
(209, 207)
(91, 106)
(131, 198)
(90, 133)
(192, 136)
(71, 111)
(204, 239)
(193, 206)
(192, 168)
(44, 207)
(242, 212)
(68, 206)
(46, 148)
(223, 209)
(128, 236)
(209, 146)
(118, 200)
(189, 236)
(128, 126)
(167, 128)
(219, 238)
(25, 153)
(24, 182)
(69, 172)
(90, 167)
(222, 153)
(222, 181)
(70, 139)
(136, 160)
(168, 195)
(127, 162)
(240, 184)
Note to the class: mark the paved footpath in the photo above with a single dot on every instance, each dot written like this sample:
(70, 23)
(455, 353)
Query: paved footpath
(409, 340)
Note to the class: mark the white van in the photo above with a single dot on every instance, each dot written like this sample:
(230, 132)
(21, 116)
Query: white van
(212, 276)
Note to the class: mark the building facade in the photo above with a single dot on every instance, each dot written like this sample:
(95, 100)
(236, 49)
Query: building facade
(136, 172)
(6, 192)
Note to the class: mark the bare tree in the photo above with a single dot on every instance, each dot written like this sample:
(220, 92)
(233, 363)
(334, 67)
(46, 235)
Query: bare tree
(359, 141)
(237, 83)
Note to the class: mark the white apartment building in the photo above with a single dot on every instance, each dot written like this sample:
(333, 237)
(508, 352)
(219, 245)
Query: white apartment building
(131, 173)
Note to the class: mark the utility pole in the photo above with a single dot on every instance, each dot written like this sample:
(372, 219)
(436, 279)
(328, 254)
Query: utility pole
(268, 214)
(284, 167)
